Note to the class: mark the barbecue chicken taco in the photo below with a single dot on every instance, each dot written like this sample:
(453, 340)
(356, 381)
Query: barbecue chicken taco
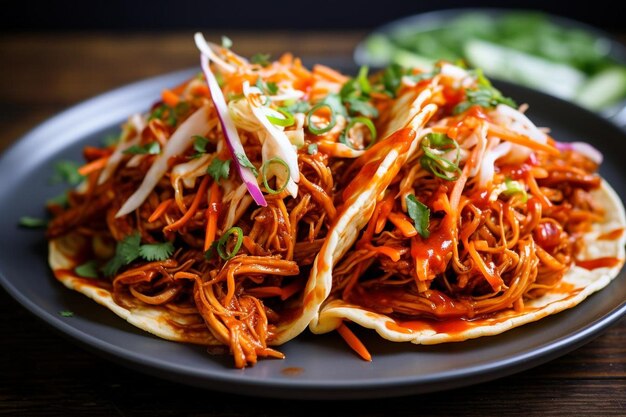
(201, 224)
(479, 223)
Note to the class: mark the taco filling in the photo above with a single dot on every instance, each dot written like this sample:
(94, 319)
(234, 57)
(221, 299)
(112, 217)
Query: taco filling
(485, 224)
(201, 223)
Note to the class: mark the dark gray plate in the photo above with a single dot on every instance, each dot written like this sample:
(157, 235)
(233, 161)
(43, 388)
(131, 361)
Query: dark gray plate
(316, 366)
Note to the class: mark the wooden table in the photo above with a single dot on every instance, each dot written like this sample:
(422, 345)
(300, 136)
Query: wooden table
(43, 374)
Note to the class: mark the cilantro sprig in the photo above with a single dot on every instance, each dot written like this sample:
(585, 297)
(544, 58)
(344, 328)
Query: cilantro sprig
(420, 214)
(150, 148)
(219, 169)
(130, 248)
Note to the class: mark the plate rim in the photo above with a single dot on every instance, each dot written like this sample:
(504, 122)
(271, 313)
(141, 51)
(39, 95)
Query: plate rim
(295, 388)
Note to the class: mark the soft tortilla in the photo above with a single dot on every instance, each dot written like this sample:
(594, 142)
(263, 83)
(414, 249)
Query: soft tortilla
(577, 284)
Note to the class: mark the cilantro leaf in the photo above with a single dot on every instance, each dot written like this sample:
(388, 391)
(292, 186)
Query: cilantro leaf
(156, 251)
(126, 251)
(261, 59)
(111, 139)
(151, 148)
(66, 171)
(361, 106)
(219, 169)
(130, 248)
(32, 222)
(245, 162)
(87, 270)
(420, 214)
(59, 200)
(334, 102)
(483, 96)
(272, 88)
(200, 143)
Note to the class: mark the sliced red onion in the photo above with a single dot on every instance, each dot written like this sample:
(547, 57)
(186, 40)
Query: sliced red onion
(582, 148)
(228, 126)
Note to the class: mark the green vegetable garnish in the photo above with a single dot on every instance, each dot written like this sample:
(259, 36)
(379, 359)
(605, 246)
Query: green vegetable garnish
(151, 148)
(265, 167)
(222, 249)
(420, 214)
(260, 59)
(32, 222)
(285, 121)
(156, 251)
(130, 249)
(318, 130)
(219, 169)
(343, 138)
(66, 171)
(434, 146)
(514, 187)
(87, 270)
(245, 162)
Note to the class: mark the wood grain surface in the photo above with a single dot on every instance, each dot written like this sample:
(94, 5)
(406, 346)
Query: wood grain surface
(44, 374)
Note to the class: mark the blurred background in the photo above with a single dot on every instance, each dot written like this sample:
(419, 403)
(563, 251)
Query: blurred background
(154, 15)
(57, 53)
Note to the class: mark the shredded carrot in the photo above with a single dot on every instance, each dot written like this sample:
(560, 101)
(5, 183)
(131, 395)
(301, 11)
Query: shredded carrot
(284, 292)
(329, 73)
(506, 134)
(201, 90)
(170, 98)
(383, 209)
(192, 209)
(93, 166)
(393, 253)
(212, 213)
(158, 212)
(536, 191)
(402, 222)
(354, 342)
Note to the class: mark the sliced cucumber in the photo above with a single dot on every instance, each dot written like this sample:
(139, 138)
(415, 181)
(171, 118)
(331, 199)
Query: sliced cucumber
(603, 89)
(512, 65)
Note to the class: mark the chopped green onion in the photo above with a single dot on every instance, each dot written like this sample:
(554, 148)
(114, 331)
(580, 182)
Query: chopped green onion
(420, 213)
(367, 122)
(514, 187)
(264, 168)
(318, 130)
(288, 120)
(221, 244)
(66, 313)
(312, 149)
(434, 145)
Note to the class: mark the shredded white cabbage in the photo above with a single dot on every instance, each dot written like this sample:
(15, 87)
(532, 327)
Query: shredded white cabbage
(182, 138)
